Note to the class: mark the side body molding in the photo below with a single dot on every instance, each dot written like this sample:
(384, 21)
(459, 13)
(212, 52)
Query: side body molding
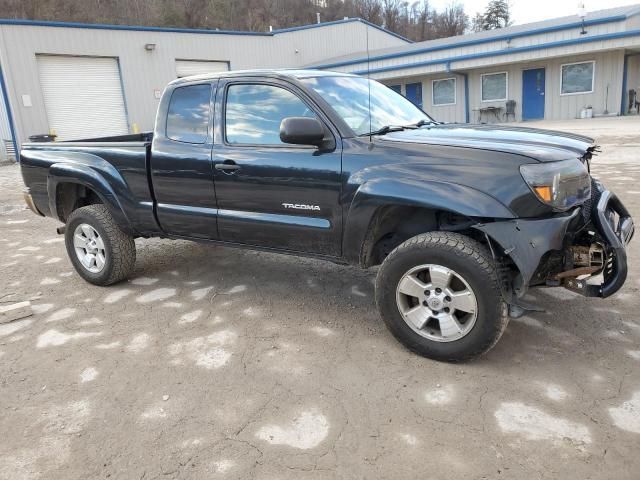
(115, 194)
(377, 193)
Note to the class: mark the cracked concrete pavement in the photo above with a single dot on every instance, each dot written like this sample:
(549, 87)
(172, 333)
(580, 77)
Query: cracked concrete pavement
(212, 362)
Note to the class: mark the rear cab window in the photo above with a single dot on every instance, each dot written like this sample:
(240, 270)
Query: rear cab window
(189, 113)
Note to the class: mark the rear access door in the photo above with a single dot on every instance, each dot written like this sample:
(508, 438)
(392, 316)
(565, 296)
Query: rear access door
(181, 162)
(272, 194)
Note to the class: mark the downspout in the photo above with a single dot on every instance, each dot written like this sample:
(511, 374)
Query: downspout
(625, 68)
(466, 97)
(465, 76)
(5, 97)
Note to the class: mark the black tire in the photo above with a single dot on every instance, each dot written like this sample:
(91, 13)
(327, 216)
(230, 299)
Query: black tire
(120, 248)
(473, 262)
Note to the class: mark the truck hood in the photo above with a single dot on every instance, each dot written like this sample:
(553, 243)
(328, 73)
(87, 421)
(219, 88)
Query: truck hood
(541, 145)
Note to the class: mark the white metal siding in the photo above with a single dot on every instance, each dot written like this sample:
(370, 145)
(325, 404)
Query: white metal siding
(82, 96)
(6, 140)
(145, 73)
(485, 48)
(443, 113)
(608, 73)
(185, 68)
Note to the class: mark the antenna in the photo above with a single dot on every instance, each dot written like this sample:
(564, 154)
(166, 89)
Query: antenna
(582, 12)
(369, 81)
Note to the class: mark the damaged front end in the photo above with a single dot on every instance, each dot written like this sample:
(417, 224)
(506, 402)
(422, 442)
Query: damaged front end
(582, 249)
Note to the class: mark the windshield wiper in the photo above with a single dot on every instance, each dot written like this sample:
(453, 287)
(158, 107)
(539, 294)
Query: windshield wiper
(384, 130)
(422, 123)
(397, 128)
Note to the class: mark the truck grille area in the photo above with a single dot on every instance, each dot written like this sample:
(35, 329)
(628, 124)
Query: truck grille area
(589, 205)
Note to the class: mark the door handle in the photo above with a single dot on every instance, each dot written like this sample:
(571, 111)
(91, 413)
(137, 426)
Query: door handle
(227, 166)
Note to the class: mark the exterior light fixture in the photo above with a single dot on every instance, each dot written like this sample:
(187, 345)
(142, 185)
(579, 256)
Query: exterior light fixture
(149, 47)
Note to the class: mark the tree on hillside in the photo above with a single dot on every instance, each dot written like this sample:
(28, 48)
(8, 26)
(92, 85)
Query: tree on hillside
(414, 19)
(369, 10)
(451, 22)
(496, 15)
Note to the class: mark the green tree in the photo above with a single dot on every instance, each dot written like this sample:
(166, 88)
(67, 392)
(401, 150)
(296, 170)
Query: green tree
(496, 15)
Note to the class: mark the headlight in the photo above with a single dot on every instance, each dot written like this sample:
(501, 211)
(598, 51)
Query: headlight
(558, 184)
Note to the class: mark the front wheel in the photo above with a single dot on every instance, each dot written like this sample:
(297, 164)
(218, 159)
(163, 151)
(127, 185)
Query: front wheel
(438, 293)
(100, 252)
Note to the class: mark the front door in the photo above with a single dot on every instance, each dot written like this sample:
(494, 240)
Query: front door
(272, 194)
(414, 93)
(533, 94)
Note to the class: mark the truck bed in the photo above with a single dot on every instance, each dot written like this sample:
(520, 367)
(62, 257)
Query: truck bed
(123, 161)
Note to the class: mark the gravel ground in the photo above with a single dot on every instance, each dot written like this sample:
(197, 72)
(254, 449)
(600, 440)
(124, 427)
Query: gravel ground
(220, 363)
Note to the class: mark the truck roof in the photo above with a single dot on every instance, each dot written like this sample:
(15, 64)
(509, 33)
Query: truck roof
(295, 73)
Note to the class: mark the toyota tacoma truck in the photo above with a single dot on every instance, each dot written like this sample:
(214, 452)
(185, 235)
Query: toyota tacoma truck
(461, 219)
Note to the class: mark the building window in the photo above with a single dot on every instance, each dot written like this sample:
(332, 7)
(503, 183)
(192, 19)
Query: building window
(188, 115)
(254, 113)
(577, 78)
(444, 91)
(396, 88)
(494, 86)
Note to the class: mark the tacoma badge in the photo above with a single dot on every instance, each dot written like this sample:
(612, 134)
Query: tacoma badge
(297, 206)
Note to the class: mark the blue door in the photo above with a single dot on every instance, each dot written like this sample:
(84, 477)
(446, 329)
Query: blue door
(414, 93)
(533, 94)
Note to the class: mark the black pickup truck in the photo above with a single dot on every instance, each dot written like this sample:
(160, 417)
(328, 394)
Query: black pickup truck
(463, 219)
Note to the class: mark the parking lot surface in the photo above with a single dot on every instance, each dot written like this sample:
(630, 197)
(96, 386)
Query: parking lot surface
(214, 362)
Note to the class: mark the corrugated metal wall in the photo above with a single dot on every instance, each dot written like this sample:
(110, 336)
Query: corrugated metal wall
(442, 113)
(480, 48)
(5, 132)
(608, 72)
(475, 59)
(633, 77)
(144, 72)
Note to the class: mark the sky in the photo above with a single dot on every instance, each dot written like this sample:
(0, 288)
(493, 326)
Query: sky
(526, 11)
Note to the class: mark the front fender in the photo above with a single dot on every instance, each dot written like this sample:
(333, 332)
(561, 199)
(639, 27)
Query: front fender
(71, 172)
(435, 195)
(526, 241)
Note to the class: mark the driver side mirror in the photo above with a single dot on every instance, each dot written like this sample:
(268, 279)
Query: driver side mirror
(301, 131)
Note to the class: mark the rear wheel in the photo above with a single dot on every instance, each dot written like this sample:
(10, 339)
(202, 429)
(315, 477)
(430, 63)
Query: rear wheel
(438, 293)
(100, 252)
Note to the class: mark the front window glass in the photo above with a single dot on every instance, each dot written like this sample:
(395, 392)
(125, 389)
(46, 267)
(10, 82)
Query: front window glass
(254, 113)
(188, 114)
(577, 78)
(349, 97)
(494, 87)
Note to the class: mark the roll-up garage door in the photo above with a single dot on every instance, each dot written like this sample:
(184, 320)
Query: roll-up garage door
(185, 68)
(83, 96)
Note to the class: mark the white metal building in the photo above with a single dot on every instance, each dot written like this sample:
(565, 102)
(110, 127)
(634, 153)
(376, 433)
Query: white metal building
(83, 80)
(553, 69)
